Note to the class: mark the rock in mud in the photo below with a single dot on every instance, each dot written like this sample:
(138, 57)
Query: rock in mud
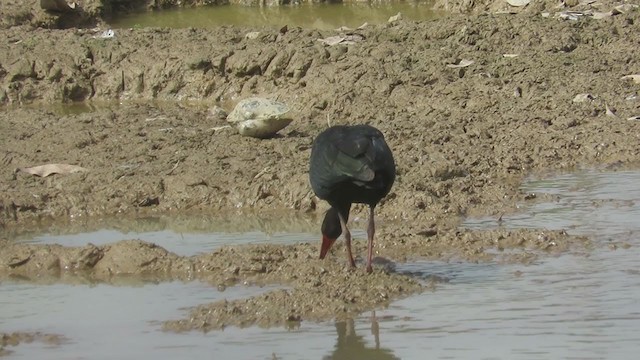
(259, 117)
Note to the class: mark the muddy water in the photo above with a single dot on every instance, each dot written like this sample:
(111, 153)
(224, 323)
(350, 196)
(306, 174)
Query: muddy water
(582, 306)
(568, 307)
(583, 203)
(320, 16)
(579, 305)
(106, 321)
(186, 235)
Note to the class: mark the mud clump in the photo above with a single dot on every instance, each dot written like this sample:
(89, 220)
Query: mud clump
(323, 296)
(16, 338)
(127, 257)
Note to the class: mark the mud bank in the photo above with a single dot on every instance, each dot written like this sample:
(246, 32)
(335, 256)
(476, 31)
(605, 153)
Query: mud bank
(464, 137)
(315, 289)
(9, 340)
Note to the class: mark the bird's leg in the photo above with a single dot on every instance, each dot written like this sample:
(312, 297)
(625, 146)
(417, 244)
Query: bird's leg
(347, 239)
(375, 329)
(371, 230)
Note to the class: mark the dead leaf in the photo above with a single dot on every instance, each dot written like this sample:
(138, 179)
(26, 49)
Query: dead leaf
(609, 112)
(634, 78)
(349, 39)
(218, 128)
(395, 18)
(353, 38)
(48, 169)
(107, 34)
(580, 98)
(571, 15)
(625, 8)
(57, 5)
(462, 63)
(602, 15)
(348, 29)
(517, 92)
(510, 55)
(332, 40)
(252, 35)
(518, 3)
(637, 117)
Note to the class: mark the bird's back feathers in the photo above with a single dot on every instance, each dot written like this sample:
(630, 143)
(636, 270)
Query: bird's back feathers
(345, 159)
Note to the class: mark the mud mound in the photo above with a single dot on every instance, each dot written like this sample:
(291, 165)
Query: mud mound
(16, 338)
(316, 289)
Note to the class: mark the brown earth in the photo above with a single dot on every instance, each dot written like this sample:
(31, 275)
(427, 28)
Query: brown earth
(464, 139)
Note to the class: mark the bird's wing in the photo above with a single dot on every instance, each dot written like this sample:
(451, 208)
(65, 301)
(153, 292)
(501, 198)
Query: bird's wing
(336, 163)
(353, 158)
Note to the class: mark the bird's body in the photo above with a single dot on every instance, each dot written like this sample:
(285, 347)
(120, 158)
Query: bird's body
(350, 164)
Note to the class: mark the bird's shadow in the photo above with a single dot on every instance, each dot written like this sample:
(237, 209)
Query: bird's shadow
(428, 276)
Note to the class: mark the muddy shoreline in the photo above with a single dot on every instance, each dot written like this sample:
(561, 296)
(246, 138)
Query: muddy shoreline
(464, 137)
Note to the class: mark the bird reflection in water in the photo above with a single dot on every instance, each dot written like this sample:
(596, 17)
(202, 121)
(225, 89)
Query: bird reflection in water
(351, 346)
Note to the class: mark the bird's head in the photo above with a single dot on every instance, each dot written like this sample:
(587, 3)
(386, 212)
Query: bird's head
(331, 230)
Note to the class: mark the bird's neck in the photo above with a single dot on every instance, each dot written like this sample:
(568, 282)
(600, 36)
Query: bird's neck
(331, 225)
(342, 208)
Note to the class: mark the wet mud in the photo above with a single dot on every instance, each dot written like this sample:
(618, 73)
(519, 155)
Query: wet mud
(464, 138)
(9, 340)
(315, 289)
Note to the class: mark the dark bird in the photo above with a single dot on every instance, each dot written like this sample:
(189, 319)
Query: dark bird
(350, 164)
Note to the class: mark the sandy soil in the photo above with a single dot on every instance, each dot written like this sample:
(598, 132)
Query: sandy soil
(464, 139)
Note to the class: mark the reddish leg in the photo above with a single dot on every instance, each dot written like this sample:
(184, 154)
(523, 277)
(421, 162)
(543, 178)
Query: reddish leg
(347, 240)
(371, 230)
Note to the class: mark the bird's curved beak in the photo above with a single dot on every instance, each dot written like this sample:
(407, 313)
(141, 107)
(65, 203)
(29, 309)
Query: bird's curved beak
(326, 245)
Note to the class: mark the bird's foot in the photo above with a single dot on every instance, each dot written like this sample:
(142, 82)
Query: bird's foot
(350, 259)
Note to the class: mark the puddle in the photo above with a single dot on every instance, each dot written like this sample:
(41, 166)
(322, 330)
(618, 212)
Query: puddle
(573, 306)
(182, 243)
(570, 307)
(183, 235)
(103, 321)
(604, 204)
(317, 16)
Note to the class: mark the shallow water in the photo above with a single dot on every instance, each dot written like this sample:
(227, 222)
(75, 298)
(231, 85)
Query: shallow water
(316, 16)
(576, 306)
(568, 307)
(586, 203)
(104, 321)
(185, 235)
